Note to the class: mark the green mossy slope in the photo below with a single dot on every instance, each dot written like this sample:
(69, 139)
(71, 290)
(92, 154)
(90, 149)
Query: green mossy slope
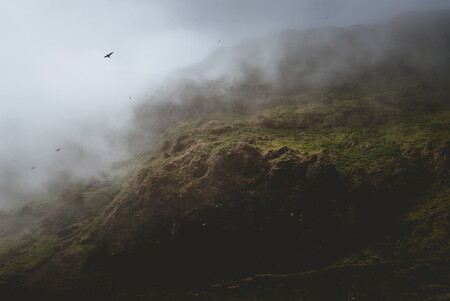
(320, 178)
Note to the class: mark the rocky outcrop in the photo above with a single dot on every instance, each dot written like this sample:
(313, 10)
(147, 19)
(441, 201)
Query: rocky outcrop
(283, 208)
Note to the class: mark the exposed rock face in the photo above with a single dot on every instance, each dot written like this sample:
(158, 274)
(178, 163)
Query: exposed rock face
(242, 162)
(270, 178)
(273, 210)
(221, 198)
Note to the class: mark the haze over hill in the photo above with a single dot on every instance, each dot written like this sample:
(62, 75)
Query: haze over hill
(404, 50)
(58, 91)
(299, 164)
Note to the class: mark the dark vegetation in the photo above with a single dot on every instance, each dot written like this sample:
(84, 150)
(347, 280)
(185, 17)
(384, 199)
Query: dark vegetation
(304, 187)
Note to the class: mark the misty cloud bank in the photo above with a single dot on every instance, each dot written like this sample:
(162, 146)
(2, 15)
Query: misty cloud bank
(62, 93)
(406, 51)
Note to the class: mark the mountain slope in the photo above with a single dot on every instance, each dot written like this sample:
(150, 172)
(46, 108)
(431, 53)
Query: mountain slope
(350, 177)
(323, 178)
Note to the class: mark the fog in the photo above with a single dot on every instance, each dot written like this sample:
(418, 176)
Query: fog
(58, 91)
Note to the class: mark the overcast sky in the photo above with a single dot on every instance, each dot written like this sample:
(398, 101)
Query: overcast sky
(57, 90)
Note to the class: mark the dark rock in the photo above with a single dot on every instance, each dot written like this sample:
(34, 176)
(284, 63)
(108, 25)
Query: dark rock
(273, 154)
(323, 176)
(198, 166)
(242, 161)
(180, 144)
(5, 290)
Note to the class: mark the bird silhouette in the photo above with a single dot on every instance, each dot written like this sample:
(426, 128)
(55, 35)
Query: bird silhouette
(130, 97)
(34, 167)
(58, 149)
(108, 55)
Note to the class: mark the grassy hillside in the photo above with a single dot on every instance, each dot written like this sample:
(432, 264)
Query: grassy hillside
(330, 180)
(375, 139)
(305, 181)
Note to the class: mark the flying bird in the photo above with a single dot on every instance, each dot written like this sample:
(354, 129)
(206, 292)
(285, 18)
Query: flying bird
(108, 55)
(58, 149)
(34, 167)
(130, 97)
(218, 41)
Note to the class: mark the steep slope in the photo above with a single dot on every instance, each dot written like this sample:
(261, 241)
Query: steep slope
(291, 187)
(311, 194)
(404, 51)
(309, 181)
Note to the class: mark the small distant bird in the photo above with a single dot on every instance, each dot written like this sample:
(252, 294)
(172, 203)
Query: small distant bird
(58, 149)
(34, 167)
(218, 41)
(108, 55)
(130, 97)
